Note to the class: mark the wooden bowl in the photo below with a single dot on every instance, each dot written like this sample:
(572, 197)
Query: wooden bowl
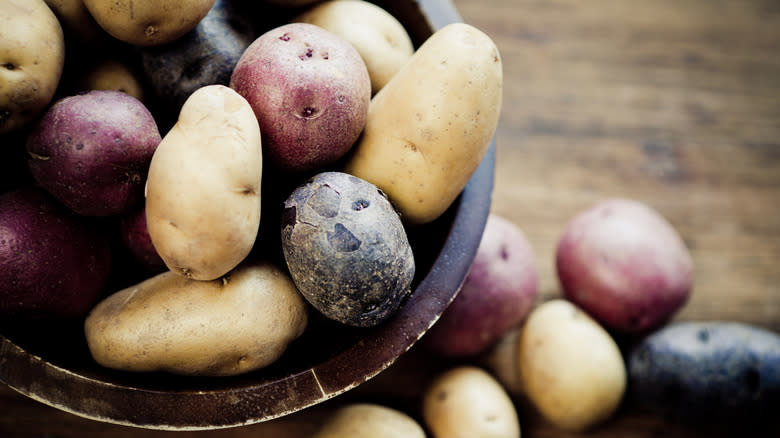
(51, 362)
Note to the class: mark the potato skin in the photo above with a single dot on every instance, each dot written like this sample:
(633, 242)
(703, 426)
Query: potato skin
(148, 23)
(623, 263)
(310, 91)
(92, 151)
(113, 74)
(429, 127)
(709, 373)
(467, 402)
(369, 420)
(32, 57)
(497, 295)
(346, 249)
(206, 55)
(569, 366)
(235, 324)
(380, 38)
(203, 189)
(53, 263)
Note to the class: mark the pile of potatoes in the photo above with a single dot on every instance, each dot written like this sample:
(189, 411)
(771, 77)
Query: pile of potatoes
(222, 168)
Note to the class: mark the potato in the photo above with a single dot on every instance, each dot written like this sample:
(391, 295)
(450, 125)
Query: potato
(53, 264)
(623, 263)
(148, 23)
(113, 74)
(429, 127)
(569, 366)
(134, 235)
(380, 38)
(32, 57)
(310, 91)
(77, 23)
(203, 189)
(346, 249)
(497, 295)
(369, 420)
(712, 373)
(204, 56)
(467, 402)
(232, 325)
(92, 151)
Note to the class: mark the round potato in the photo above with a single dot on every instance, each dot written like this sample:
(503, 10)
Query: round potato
(235, 324)
(624, 264)
(497, 295)
(368, 420)
(468, 402)
(569, 366)
(53, 263)
(310, 91)
(92, 151)
(148, 23)
(203, 189)
(32, 56)
(346, 249)
(429, 127)
(380, 38)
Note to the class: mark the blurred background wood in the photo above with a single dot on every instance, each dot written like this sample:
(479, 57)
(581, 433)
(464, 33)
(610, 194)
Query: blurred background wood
(672, 102)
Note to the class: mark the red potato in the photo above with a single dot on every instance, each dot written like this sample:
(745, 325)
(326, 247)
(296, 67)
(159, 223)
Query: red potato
(53, 263)
(92, 151)
(497, 295)
(135, 237)
(310, 91)
(623, 263)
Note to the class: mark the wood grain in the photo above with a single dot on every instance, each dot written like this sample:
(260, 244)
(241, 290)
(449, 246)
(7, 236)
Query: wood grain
(672, 102)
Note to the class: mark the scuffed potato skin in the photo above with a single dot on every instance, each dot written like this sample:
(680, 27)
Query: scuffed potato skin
(346, 249)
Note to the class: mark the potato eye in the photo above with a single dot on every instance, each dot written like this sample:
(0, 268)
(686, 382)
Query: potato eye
(360, 204)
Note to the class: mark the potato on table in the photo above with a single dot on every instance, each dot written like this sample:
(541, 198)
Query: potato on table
(346, 249)
(369, 420)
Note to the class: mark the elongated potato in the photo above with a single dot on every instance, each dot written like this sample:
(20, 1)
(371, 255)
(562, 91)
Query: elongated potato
(232, 325)
(203, 188)
(429, 127)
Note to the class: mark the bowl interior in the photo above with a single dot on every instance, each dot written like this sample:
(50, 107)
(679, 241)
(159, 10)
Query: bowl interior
(50, 362)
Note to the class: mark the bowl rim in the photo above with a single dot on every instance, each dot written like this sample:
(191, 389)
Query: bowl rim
(84, 395)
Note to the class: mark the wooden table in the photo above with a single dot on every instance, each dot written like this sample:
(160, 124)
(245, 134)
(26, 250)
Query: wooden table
(672, 102)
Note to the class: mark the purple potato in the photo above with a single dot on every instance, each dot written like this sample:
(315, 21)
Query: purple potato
(92, 152)
(346, 249)
(53, 263)
(497, 295)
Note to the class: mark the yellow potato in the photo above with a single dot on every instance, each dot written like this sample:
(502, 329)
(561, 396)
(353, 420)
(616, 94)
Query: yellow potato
(368, 420)
(468, 402)
(148, 23)
(232, 325)
(112, 74)
(203, 187)
(429, 127)
(570, 367)
(380, 38)
(76, 21)
(32, 56)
